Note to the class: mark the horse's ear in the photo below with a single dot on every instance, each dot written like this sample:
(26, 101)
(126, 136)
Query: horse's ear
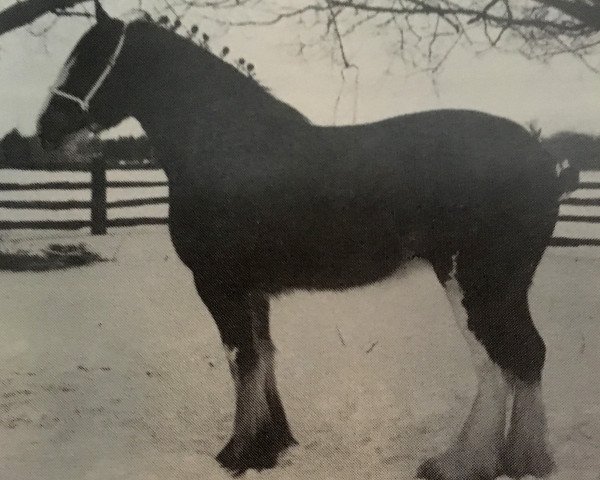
(101, 15)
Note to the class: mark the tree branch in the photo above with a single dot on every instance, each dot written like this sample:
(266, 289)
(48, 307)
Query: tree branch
(420, 8)
(25, 12)
(581, 11)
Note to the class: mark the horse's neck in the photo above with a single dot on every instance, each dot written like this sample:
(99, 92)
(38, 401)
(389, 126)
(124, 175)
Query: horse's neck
(177, 106)
(189, 118)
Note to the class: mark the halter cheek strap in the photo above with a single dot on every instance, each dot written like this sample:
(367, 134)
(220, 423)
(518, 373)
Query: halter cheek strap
(84, 103)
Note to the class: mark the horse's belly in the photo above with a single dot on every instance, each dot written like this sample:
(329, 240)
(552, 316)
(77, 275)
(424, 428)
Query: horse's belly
(344, 275)
(315, 251)
(334, 263)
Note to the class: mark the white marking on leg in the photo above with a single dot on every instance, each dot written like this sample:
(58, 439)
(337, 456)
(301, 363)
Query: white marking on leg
(487, 371)
(527, 447)
(252, 410)
(478, 447)
(529, 411)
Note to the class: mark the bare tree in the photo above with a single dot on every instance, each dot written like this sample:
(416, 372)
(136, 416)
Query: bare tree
(425, 31)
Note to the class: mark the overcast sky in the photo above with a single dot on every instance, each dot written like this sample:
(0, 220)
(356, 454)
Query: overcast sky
(560, 95)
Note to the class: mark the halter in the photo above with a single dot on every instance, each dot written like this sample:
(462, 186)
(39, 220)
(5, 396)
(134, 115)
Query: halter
(84, 103)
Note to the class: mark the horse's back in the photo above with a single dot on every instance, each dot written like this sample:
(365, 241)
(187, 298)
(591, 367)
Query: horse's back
(442, 140)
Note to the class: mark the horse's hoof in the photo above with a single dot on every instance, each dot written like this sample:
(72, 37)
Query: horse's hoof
(439, 468)
(521, 462)
(259, 453)
(237, 461)
(430, 470)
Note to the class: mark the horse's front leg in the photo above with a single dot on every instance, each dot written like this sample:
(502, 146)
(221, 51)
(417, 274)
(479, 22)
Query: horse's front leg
(260, 430)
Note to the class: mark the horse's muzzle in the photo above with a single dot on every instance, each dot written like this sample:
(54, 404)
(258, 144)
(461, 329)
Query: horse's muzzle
(56, 125)
(51, 131)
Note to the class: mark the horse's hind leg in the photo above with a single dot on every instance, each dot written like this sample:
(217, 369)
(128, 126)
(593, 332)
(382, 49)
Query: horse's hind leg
(526, 450)
(490, 304)
(261, 429)
(476, 453)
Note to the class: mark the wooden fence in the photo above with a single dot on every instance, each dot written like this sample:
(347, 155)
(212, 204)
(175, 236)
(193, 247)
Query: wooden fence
(99, 206)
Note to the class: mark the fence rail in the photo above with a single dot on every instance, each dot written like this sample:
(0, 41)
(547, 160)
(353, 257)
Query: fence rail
(99, 205)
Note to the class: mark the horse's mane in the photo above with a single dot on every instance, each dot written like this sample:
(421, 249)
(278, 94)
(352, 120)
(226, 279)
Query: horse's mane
(244, 81)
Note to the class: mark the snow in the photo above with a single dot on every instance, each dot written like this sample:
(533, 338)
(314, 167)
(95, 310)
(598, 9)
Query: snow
(115, 371)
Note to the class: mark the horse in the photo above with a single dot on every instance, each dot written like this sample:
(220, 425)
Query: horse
(264, 202)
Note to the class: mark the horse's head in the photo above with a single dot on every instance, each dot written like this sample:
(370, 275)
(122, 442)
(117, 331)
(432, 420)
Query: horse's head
(86, 94)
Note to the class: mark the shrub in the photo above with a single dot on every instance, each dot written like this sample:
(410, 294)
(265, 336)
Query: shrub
(54, 257)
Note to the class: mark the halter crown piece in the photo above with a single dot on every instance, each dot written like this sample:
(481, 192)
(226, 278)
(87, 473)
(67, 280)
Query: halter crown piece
(84, 103)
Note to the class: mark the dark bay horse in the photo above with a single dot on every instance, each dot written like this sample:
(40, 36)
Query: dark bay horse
(263, 202)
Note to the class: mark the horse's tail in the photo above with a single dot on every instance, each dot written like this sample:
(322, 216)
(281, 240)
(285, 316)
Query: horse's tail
(568, 177)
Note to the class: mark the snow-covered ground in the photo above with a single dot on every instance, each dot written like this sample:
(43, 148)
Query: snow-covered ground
(115, 371)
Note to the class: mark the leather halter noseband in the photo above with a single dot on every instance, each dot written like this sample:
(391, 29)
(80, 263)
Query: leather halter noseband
(84, 103)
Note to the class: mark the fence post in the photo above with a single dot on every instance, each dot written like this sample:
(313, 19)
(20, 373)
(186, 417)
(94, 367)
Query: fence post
(98, 195)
